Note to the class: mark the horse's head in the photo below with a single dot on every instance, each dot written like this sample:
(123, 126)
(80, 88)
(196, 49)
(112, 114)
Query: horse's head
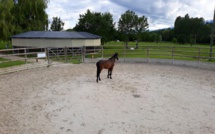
(113, 57)
(116, 56)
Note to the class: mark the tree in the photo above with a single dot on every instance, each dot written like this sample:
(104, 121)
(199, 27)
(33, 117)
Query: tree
(6, 22)
(18, 16)
(126, 24)
(187, 29)
(167, 34)
(141, 26)
(130, 23)
(30, 15)
(57, 24)
(97, 23)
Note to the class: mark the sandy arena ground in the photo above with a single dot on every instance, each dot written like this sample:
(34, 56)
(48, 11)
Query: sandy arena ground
(140, 99)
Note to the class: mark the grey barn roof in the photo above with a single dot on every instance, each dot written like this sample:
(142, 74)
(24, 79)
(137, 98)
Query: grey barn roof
(56, 35)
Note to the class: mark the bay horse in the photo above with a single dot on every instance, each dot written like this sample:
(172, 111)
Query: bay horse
(106, 64)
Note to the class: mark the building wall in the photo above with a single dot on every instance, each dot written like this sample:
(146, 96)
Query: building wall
(55, 42)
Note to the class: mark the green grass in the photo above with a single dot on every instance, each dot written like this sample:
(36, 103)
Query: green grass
(69, 59)
(2, 59)
(11, 63)
(162, 50)
(3, 44)
(75, 61)
(7, 63)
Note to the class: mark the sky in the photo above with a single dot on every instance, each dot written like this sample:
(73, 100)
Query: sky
(160, 13)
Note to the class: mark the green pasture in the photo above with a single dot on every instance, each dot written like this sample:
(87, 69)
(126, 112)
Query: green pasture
(5, 44)
(6, 63)
(162, 50)
(69, 59)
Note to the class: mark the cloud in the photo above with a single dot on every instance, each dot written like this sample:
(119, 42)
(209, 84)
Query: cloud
(160, 13)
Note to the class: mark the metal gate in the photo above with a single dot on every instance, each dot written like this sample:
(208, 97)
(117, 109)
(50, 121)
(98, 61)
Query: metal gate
(65, 54)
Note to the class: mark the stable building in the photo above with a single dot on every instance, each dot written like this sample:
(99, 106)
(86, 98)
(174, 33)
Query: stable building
(55, 39)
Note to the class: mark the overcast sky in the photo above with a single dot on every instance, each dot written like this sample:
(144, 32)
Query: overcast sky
(160, 13)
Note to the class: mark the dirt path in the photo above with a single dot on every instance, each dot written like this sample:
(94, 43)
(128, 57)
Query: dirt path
(141, 98)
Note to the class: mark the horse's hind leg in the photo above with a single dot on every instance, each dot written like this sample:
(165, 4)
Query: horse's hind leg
(98, 78)
(98, 74)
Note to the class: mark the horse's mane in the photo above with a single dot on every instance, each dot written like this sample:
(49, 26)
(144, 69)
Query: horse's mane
(113, 56)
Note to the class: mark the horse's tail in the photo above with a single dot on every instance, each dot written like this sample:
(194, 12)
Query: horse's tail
(98, 69)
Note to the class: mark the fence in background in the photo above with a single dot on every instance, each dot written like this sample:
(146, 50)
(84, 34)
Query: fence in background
(176, 55)
(27, 58)
(38, 57)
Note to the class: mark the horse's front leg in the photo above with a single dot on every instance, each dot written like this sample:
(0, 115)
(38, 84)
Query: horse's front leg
(108, 73)
(111, 72)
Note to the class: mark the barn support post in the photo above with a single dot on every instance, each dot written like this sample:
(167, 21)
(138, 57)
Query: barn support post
(94, 49)
(47, 55)
(102, 52)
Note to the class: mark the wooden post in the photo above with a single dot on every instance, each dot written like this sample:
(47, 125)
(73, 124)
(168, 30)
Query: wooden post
(83, 54)
(173, 55)
(65, 54)
(25, 55)
(199, 56)
(124, 53)
(147, 54)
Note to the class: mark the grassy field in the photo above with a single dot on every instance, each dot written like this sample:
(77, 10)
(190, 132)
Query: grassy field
(163, 50)
(4, 64)
(5, 45)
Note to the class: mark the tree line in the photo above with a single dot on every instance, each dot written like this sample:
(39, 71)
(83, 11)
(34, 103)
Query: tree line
(132, 27)
(187, 30)
(18, 16)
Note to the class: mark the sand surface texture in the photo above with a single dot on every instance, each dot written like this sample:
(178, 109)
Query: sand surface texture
(140, 99)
